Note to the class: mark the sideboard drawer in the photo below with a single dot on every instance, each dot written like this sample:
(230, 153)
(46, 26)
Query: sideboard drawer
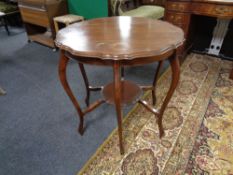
(34, 16)
(178, 6)
(214, 10)
(177, 17)
(184, 27)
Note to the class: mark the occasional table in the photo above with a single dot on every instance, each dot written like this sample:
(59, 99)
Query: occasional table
(120, 42)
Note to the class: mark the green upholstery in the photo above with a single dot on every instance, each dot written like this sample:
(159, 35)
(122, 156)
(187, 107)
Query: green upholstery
(149, 11)
(7, 8)
(114, 5)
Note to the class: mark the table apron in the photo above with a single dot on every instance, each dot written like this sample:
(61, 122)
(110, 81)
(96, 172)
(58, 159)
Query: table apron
(123, 62)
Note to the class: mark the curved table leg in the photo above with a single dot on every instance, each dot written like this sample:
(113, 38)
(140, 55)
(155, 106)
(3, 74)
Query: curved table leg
(86, 82)
(155, 82)
(175, 66)
(62, 75)
(117, 90)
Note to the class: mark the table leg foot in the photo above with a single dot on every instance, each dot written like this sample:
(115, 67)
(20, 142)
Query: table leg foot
(231, 74)
(87, 101)
(6, 25)
(81, 124)
(161, 130)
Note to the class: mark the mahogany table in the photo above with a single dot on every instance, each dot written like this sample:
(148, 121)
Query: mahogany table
(119, 42)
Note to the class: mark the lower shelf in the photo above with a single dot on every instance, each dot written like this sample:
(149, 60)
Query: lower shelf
(43, 38)
(130, 92)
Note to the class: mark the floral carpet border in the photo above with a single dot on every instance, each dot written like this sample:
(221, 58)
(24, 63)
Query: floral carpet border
(184, 144)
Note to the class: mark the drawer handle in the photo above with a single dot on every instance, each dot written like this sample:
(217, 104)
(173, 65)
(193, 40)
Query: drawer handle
(222, 10)
(177, 6)
(174, 6)
(175, 18)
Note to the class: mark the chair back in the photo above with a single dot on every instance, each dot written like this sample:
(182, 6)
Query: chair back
(115, 6)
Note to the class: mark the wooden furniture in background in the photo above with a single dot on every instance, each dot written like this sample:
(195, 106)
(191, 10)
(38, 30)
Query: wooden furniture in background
(38, 19)
(117, 42)
(4, 22)
(7, 10)
(179, 12)
(66, 20)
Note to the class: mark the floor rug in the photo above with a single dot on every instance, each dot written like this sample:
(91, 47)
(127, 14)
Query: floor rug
(213, 149)
(145, 153)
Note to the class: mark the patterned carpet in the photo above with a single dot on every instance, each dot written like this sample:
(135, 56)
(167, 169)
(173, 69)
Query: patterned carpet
(213, 149)
(196, 93)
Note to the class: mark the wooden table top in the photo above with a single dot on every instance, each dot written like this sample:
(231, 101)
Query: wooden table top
(119, 38)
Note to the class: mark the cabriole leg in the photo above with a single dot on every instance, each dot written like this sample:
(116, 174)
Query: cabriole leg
(175, 66)
(63, 78)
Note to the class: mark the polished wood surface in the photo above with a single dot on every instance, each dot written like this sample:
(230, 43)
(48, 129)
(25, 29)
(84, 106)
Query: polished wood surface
(38, 19)
(118, 42)
(179, 13)
(119, 38)
(214, 10)
(130, 92)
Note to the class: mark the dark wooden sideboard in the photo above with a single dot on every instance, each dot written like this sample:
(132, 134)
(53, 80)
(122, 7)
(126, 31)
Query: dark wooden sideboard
(179, 12)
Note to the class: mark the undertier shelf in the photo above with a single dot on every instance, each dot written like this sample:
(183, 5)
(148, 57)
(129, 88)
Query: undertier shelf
(130, 92)
(43, 38)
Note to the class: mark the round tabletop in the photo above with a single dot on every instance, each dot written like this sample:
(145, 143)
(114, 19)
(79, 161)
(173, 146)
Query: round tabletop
(119, 38)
